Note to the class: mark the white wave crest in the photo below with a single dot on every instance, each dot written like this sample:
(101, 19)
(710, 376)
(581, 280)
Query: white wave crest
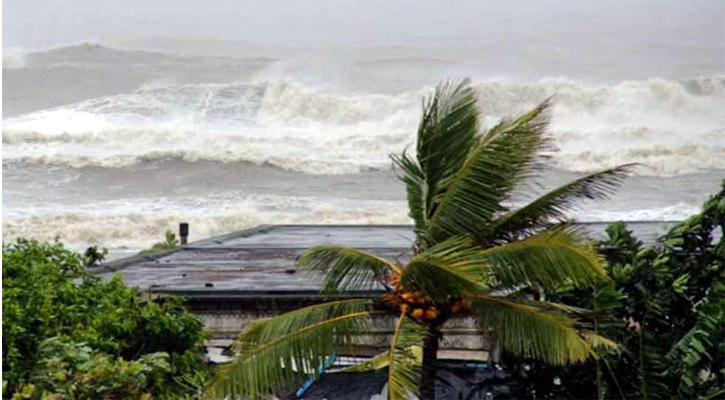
(13, 58)
(134, 231)
(677, 212)
(140, 230)
(673, 127)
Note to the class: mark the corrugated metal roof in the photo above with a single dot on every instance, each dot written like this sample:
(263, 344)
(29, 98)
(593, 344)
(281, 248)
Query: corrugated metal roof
(261, 261)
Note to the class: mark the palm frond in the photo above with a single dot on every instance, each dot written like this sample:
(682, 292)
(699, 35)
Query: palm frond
(446, 133)
(558, 255)
(553, 206)
(278, 354)
(596, 340)
(532, 332)
(450, 268)
(403, 368)
(345, 268)
(555, 307)
(501, 159)
(415, 188)
(382, 360)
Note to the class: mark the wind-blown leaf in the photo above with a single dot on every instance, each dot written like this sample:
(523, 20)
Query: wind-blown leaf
(500, 160)
(402, 368)
(415, 187)
(548, 259)
(346, 268)
(280, 353)
(450, 268)
(596, 340)
(693, 350)
(552, 206)
(382, 360)
(446, 133)
(531, 332)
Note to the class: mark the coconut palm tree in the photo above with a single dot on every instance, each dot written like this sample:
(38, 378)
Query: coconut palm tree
(473, 255)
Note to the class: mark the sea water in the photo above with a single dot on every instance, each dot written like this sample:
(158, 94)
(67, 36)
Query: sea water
(112, 144)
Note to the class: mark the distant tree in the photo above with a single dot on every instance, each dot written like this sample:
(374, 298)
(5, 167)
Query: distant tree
(473, 255)
(94, 257)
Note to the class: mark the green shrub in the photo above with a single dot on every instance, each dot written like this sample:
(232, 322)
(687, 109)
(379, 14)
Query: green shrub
(69, 370)
(169, 243)
(665, 305)
(47, 293)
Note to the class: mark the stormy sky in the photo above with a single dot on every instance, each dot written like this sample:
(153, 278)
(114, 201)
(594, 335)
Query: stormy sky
(43, 23)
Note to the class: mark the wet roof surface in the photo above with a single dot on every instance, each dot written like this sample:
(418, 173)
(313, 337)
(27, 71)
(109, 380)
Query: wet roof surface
(262, 260)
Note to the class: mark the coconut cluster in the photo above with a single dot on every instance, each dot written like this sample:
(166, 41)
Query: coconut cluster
(420, 306)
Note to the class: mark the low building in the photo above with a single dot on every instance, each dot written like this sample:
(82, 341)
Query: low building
(232, 280)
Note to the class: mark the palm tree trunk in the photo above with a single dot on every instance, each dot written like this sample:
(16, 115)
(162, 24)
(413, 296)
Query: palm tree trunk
(426, 387)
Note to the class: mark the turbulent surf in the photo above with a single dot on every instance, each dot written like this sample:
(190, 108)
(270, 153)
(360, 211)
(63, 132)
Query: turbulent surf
(196, 119)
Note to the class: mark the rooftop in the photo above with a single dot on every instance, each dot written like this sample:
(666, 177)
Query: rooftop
(261, 261)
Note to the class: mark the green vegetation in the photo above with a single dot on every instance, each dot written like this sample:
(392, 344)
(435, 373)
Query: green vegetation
(470, 247)
(68, 333)
(665, 305)
(75, 371)
(169, 243)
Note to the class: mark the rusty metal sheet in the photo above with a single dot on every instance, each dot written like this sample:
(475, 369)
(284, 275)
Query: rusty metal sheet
(263, 259)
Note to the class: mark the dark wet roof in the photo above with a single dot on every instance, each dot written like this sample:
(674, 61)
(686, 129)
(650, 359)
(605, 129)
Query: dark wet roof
(261, 261)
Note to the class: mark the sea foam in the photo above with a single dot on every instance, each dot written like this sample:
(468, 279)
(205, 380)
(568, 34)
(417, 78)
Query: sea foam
(671, 127)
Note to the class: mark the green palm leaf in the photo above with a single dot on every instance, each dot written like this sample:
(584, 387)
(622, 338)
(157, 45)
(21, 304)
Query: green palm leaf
(553, 205)
(532, 332)
(278, 354)
(416, 190)
(555, 256)
(403, 370)
(499, 161)
(382, 360)
(446, 133)
(450, 268)
(346, 268)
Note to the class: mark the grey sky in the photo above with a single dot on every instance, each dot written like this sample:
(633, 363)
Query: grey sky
(41, 23)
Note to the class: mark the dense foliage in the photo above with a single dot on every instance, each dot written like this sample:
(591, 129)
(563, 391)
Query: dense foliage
(64, 328)
(665, 305)
(69, 370)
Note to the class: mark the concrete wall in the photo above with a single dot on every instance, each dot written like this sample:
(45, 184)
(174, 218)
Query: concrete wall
(461, 337)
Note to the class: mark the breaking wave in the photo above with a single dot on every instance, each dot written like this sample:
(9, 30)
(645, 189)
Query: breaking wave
(139, 230)
(671, 127)
(13, 58)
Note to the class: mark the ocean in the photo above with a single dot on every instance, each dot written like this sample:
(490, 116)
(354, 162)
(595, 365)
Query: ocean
(112, 144)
